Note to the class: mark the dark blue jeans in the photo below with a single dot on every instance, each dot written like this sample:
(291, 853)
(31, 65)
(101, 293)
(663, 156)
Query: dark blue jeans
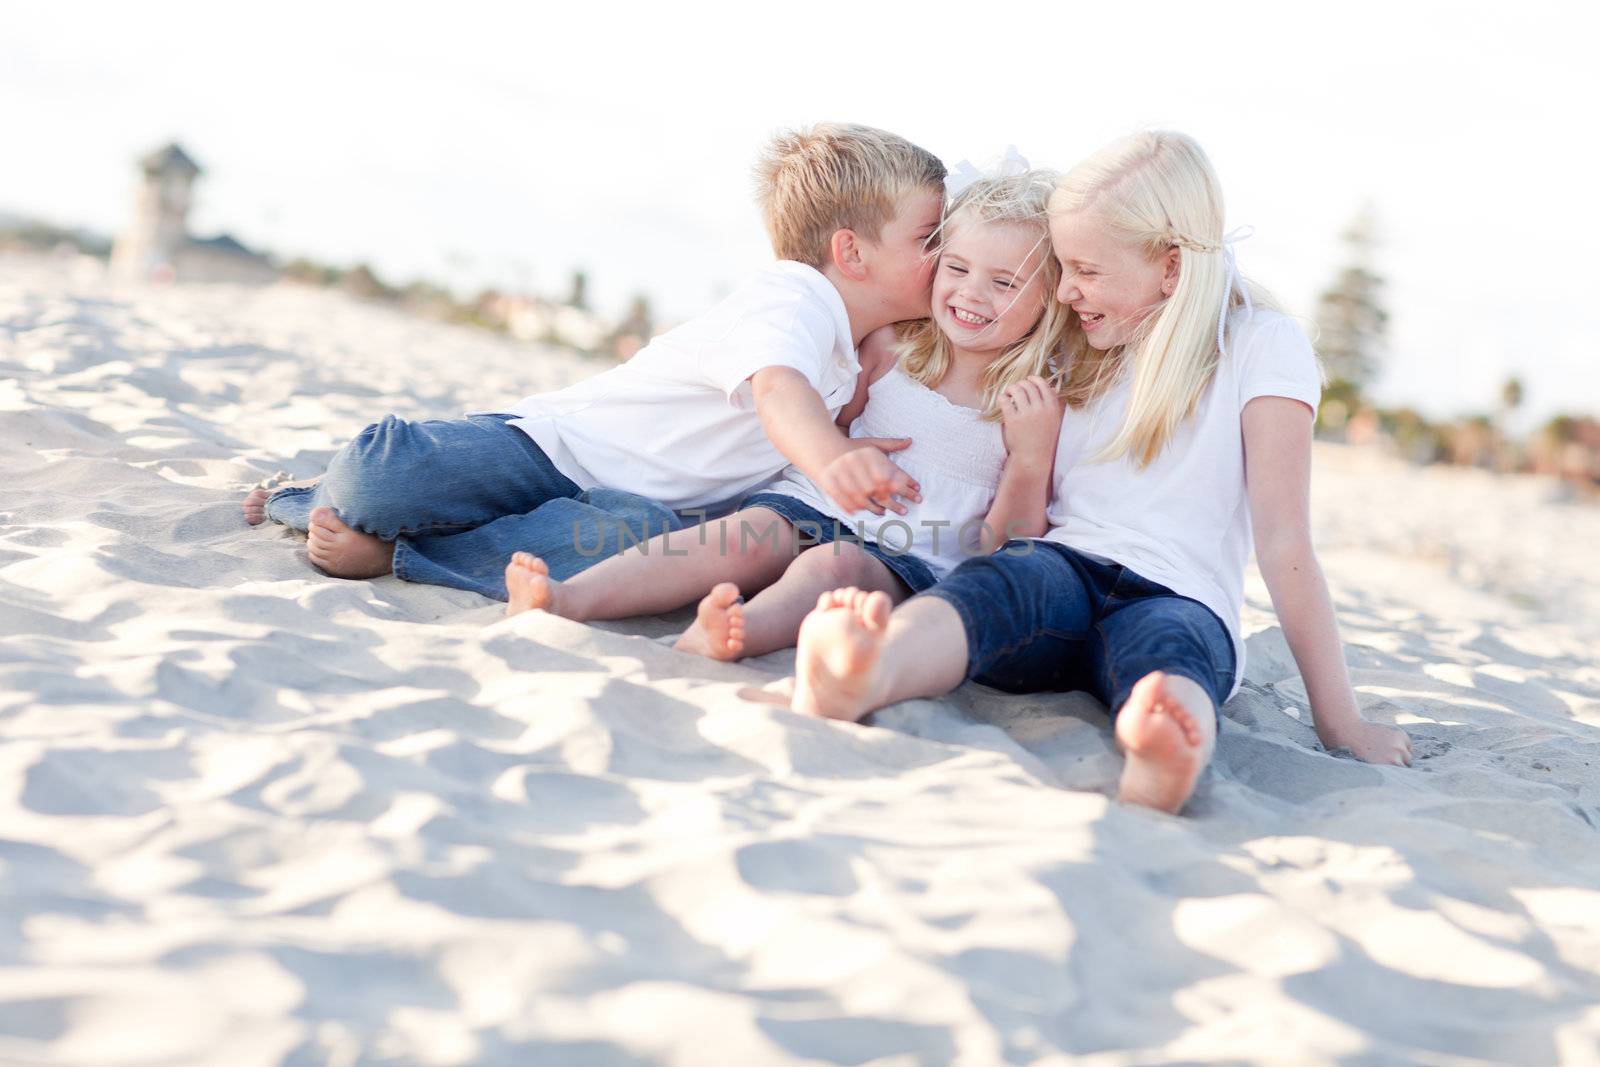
(459, 496)
(1041, 617)
(817, 529)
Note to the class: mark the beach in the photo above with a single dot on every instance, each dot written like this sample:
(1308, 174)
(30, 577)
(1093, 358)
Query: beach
(251, 814)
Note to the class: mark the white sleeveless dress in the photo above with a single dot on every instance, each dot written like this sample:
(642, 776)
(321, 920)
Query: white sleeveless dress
(955, 455)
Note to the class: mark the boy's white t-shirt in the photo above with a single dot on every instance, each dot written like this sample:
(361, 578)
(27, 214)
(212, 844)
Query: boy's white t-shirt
(1183, 521)
(677, 422)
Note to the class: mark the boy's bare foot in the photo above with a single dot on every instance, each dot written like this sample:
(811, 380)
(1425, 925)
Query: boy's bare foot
(255, 506)
(836, 663)
(255, 502)
(529, 586)
(718, 630)
(1164, 732)
(343, 552)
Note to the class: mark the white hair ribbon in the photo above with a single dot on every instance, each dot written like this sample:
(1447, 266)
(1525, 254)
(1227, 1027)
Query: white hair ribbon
(1230, 239)
(964, 173)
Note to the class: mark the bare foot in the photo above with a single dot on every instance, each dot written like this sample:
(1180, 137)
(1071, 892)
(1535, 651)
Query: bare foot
(1167, 731)
(718, 630)
(835, 664)
(255, 506)
(529, 586)
(338, 550)
(255, 503)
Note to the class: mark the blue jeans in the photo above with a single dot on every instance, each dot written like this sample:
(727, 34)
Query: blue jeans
(1041, 617)
(459, 496)
(817, 529)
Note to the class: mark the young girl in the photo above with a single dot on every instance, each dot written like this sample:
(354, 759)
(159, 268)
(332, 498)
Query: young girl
(968, 386)
(1192, 404)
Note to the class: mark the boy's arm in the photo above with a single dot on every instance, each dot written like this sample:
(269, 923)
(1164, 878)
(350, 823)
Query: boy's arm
(876, 356)
(853, 471)
(1277, 446)
(1031, 414)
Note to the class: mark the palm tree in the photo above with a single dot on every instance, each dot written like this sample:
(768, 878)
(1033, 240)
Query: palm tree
(1510, 401)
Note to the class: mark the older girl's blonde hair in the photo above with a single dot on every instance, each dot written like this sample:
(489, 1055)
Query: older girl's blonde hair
(1156, 191)
(925, 353)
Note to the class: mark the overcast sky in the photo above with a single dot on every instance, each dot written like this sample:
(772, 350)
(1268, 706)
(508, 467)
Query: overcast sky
(507, 144)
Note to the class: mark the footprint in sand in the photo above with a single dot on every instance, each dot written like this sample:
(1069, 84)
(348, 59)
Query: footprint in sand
(1428, 747)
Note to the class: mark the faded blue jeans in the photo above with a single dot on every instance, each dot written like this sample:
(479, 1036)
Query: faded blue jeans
(459, 496)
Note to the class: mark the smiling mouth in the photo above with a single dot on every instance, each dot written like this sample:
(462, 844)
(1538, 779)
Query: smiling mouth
(968, 317)
(1090, 320)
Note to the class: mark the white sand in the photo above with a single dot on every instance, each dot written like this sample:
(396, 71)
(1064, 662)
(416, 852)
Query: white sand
(253, 815)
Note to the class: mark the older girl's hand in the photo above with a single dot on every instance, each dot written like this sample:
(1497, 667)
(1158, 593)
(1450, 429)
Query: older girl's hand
(1370, 742)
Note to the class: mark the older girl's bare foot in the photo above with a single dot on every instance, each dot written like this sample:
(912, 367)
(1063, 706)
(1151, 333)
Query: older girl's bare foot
(344, 552)
(718, 630)
(1167, 729)
(836, 662)
(255, 506)
(529, 586)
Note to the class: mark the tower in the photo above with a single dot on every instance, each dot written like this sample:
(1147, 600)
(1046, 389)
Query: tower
(151, 244)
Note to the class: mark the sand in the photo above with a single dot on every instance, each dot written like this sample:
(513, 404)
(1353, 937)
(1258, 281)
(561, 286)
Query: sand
(250, 814)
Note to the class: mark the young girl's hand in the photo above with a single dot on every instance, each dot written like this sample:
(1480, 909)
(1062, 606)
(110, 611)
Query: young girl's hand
(1030, 416)
(1369, 742)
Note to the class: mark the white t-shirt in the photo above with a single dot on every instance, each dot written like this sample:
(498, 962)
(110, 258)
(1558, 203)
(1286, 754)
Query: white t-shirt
(677, 422)
(1183, 521)
(956, 456)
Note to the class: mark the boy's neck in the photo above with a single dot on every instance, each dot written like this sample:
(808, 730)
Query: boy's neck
(865, 313)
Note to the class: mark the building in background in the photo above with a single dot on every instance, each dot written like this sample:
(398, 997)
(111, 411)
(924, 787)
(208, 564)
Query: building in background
(157, 246)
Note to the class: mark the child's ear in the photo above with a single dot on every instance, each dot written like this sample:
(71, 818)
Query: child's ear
(1172, 263)
(848, 256)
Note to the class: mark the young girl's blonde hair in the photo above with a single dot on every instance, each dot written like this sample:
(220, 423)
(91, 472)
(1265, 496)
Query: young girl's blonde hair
(925, 353)
(1156, 191)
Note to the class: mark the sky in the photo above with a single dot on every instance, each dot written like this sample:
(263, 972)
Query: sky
(496, 144)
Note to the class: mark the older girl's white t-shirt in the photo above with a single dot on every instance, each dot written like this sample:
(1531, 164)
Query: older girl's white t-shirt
(677, 422)
(1183, 521)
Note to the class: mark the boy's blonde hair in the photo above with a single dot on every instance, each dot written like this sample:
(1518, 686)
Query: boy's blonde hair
(1156, 191)
(813, 182)
(1022, 200)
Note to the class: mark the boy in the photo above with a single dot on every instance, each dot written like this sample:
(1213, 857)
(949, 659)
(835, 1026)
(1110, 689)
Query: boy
(695, 420)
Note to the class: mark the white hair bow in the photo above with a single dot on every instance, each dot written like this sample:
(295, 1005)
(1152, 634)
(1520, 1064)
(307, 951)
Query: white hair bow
(964, 173)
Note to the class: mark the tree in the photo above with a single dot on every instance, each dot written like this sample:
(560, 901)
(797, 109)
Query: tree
(363, 282)
(1352, 323)
(1511, 394)
(580, 291)
(638, 320)
(1506, 457)
(634, 331)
